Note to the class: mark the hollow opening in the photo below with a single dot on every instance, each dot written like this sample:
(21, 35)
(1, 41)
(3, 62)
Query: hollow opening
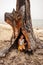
(15, 45)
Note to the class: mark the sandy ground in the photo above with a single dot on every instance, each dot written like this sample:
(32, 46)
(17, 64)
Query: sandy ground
(39, 33)
(14, 57)
(5, 32)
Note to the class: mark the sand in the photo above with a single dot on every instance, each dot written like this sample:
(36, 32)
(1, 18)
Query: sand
(5, 32)
(14, 57)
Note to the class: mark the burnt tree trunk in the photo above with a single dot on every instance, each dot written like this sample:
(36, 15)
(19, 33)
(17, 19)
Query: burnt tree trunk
(24, 7)
(21, 22)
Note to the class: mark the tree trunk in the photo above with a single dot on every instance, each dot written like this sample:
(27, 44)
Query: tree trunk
(20, 20)
(24, 7)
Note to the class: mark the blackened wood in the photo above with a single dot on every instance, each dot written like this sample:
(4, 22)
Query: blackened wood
(24, 23)
(24, 7)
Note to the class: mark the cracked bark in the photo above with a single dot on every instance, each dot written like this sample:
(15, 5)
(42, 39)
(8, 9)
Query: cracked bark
(23, 24)
(24, 7)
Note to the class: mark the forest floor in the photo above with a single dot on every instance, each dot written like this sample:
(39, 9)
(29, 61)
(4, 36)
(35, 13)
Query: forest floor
(14, 57)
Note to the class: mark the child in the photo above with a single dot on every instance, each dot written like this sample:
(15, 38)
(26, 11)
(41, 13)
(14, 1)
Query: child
(21, 44)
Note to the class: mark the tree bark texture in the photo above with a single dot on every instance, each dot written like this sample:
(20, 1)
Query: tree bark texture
(24, 7)
(20, 20)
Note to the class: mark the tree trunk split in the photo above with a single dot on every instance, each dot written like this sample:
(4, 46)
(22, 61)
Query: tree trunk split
(20, 20)
(24, 7)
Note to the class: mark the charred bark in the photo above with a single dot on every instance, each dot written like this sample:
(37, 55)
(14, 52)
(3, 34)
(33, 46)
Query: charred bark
(21, 22)
(24, 7)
